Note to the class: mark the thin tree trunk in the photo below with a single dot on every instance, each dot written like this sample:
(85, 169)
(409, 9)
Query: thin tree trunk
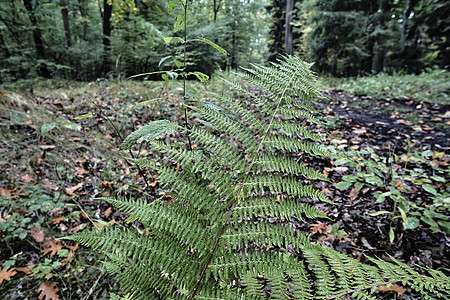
(37, 37)
(216, 9)
(107, 13)
(288, 33)
(65, 17)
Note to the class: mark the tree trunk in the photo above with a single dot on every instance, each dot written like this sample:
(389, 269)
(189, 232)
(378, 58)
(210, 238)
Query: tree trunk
(107, 13)
(216, 8)
(65, 17)
(288, 33)
(37, 37)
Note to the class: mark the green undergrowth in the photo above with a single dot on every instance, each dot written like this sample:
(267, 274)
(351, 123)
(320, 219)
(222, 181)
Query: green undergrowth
(430, 86)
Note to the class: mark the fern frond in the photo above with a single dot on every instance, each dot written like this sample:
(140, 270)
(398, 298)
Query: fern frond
(150, 132)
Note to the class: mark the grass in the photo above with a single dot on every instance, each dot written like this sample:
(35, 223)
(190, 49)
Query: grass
(431, 86)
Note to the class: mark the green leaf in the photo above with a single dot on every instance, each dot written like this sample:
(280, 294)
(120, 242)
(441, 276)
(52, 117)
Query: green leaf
(374, 180)
(164, 58)
(179, 24)
(214, 45)
(427, 153)
(83, 116)
(73, 126)
(200, 76)
(391, 235)
(46, 128)
(170, 6)
(167, 40)
(343, 185)
(349, 178)
(445, 226)
(412, 223)
(381, 212)
(146, 102)
(403, 214)
(359, 185)
(152, 131)
(429, 188)
(438, 178)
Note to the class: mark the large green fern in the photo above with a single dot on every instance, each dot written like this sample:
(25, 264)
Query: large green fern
(228, 231)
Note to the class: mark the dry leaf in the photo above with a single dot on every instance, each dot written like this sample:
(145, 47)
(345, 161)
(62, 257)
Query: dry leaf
(71, 190)
(353, 194)
(394, 288)
(153, 184)
(73, 248)
(48, 291)
(62, 227)
(51, 246)
(6, 275)
(81, 170)
(319, 227)
(27, 270)
(37, 233)
(27, 178)
(57, 220)
(107, 212)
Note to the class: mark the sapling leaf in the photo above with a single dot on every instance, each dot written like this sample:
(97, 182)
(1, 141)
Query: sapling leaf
(343, 185)
(146, 102)
(429, 188)
(412, 223)
(168, 39)
(170, 6)
(179, 23)
(214, 45)
(381, 212)
(164, 58)
(200, 76)
(391, 235)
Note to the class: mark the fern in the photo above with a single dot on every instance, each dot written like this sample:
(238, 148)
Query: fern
(228, 231)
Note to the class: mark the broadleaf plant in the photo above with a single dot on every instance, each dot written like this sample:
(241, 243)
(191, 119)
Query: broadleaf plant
(228, 230)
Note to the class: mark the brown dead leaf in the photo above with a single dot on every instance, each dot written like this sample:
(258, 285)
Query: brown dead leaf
(27, 178)
(71, 190)
(73, 248)
(47, 147)
(62, 227)
(353, 194)
(4, 192)
(51, 246)
(153, 184)
(393, 288)
(6, 274)
(37, 233)
(81, 171)
(27, 270)
(107, 212)
(48, 291)
(319, 228)
(56, 220)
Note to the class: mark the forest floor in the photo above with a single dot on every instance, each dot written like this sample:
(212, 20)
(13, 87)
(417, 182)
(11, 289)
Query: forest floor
(59, 152)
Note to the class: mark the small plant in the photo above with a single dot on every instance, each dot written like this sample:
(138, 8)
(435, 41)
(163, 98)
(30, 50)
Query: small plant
(19, 214)
(391, 178)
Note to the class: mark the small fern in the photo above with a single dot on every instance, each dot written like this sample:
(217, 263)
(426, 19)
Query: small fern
(228, 231)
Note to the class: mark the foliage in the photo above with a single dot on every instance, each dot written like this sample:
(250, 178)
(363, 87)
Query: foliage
(390, 178)
(430, 86)
(214, 235)
(14, 223)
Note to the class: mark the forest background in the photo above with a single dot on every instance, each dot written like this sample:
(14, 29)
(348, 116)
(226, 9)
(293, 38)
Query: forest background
(86, 40)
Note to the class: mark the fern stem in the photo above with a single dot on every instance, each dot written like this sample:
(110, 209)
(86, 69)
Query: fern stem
(186, 120)
(240, 194)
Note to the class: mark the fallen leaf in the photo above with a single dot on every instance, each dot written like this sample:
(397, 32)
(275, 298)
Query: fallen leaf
(62, 227)
(73, 248)
(153, 184)
(71, 190)
(37, 233)
(47, 147)
(51, 246)
(6, 274)
(4, 192)
(353, 194)
(27, 178)
(107, 212)
(319, 227)
(56, 220)
(393, 288)
(27, 270)
(48, 291)
(81, 171)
